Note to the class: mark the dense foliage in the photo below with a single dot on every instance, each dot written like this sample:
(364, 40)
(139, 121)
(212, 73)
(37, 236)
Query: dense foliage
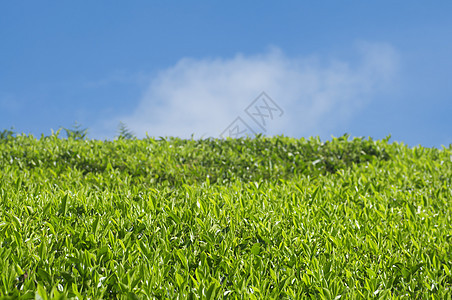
(237, 218)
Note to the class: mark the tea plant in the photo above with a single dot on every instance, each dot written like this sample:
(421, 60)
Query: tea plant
(255, 218)
(6, 134)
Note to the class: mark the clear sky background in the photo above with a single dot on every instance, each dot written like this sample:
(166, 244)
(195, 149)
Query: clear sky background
(181, 68)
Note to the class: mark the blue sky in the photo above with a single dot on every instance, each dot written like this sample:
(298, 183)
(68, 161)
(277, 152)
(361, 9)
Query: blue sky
(177, 68)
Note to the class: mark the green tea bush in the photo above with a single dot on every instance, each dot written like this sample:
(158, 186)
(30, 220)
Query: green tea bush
(247, 218)
(178, 161)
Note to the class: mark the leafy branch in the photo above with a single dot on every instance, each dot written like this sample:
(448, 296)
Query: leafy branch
(124, 132)
(76, 132)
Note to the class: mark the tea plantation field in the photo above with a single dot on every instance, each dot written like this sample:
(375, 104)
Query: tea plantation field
(261, 218)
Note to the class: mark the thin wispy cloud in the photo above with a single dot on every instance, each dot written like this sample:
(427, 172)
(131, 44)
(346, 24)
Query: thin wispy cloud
(203, 96)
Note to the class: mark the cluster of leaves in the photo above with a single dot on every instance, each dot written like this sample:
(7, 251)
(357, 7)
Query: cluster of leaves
(341, 219)
(76, 132)
(124, 132)
(6, 134)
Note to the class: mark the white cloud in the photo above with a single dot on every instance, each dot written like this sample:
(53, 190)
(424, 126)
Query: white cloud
(204, 96)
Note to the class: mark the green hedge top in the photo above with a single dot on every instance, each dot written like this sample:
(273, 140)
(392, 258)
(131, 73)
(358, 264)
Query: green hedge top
(176, 161)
